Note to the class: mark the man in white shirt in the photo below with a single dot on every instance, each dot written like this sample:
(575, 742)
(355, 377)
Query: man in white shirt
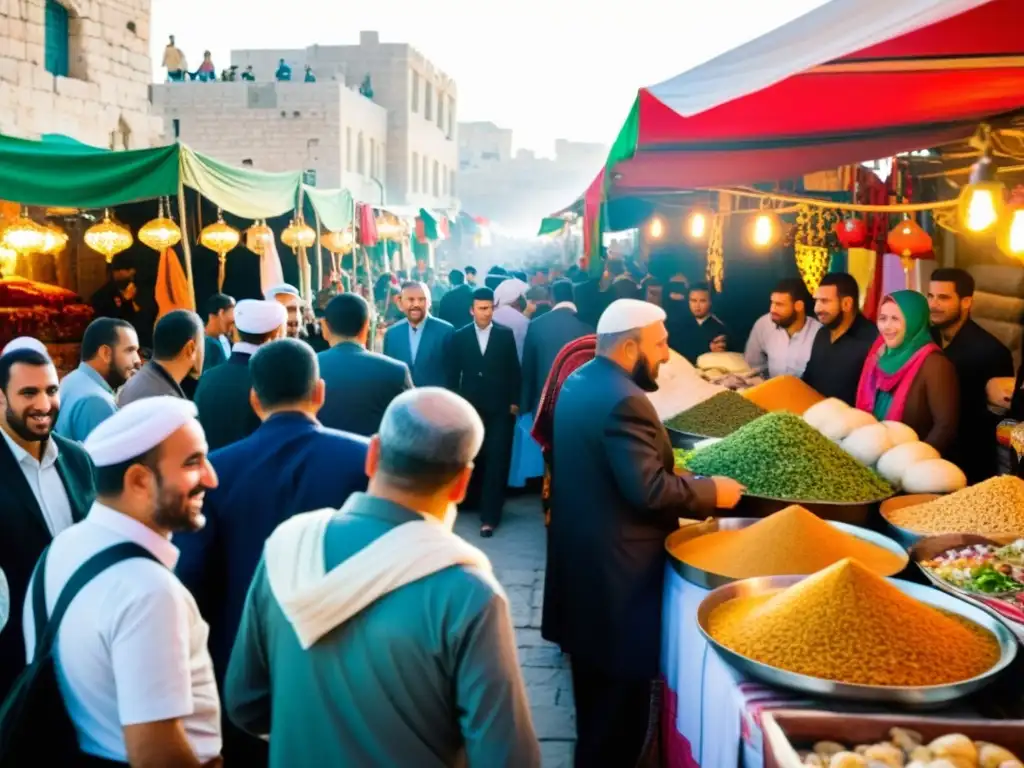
(780, 342)
(133, 666)
(46, 483)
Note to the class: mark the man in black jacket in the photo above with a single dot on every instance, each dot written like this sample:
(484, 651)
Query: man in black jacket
(46, 485)
(545, 338)
(455, 305)
(222, 397)
(485, 371)
(616, 496)
(360, 384)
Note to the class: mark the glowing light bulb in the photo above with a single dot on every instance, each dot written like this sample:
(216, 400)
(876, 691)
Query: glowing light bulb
(764, 230)
(1016, 236)
(981, 210)
(698, 225)
(657, 228)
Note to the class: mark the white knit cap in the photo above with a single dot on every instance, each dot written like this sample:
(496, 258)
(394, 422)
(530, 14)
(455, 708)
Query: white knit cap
(509, 291)
(282, 289)
(137, 428)
(629, 315)
(259, 316)
(25, 342)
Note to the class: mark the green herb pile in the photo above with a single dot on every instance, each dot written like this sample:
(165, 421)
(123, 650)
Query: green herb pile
(781, 457)
(718, 416)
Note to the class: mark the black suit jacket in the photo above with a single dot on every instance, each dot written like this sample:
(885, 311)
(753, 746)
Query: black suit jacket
(490, 382)
(545, 338)
(222, 399)
(615, 497)
(24, 535)
(360, 386)
(213, 353)
(455, 305)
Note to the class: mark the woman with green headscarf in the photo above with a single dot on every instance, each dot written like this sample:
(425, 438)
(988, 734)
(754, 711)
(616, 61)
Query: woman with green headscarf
(906, 377)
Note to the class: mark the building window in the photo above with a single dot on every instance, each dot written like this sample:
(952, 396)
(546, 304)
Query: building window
(428, 102)
(436, 185)
(58, 54)
(416, 173)
(451, 183)
(425, 186)
(360, 155)
(440, 110)
(348, 149)
(373, 158)
(451, 117)
(444, 180)
(415, 91)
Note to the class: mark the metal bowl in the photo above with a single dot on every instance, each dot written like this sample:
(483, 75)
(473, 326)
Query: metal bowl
(918, 697)
(710, 580)
(932, 546)
(904, 536)
(842, 511)
(683, 440)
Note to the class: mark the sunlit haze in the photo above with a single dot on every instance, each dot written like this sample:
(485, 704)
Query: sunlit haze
(546, 69)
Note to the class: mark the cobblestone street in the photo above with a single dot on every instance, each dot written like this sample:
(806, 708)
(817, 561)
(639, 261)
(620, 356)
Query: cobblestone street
(517, 553)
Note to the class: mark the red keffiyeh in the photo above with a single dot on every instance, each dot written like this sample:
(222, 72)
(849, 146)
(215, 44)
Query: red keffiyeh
(573, 355)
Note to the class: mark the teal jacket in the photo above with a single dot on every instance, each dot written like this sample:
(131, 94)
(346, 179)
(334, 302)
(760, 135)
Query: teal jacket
(424, 676)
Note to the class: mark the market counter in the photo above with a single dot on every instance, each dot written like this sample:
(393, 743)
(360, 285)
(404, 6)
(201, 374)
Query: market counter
(711, 715)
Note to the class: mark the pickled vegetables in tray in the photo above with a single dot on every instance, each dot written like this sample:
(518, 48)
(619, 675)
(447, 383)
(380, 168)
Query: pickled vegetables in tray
(981, 569)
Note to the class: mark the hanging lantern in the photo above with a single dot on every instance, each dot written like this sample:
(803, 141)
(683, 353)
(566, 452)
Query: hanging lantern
(909, 241)
(298, 234)
(765, 231)
(8, 261)
(54, 240)
(697, 225)
(258, 237)
(1010, 232)
(23, 235)
(852, 232)
(656, 228)
(220, 238)
(983, 199)
(161, 233)
(108, 237)
(337, 242)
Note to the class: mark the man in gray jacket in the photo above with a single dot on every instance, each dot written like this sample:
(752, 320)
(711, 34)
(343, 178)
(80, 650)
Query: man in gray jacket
(379, 617)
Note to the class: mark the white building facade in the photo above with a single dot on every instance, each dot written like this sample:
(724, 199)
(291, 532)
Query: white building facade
(483, 143)
(79, 68)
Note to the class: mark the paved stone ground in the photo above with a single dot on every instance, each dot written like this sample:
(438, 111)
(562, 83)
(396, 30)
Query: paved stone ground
(517, 553)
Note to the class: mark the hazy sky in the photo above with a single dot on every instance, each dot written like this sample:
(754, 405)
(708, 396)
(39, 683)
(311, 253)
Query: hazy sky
(545, 68)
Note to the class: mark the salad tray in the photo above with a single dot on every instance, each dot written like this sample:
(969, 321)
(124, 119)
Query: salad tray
(710, 580)
(917, 697)
(968, 566)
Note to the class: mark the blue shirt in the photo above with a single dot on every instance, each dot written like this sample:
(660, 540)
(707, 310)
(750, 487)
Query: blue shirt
(415, 334)
(86, 400)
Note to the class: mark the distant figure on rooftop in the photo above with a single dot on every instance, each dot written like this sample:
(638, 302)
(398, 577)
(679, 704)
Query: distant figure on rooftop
(283, 73)
(174, 62)
(206, 72)
(310, 77)
(249, 76)
(366, 89)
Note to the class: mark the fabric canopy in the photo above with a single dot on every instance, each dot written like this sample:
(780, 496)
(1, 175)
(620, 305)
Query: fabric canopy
(851, 81)
(59, 171)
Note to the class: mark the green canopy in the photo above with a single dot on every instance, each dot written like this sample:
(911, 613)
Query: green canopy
(59, 171)
(550, 225)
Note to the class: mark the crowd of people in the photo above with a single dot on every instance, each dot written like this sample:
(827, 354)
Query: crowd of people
(252, 531)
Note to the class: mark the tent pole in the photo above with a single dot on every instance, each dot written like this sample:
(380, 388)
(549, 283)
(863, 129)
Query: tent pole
(184, 241)
(319, 254)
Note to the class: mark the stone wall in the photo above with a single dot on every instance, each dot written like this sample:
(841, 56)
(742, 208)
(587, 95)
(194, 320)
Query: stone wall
(104, 100)
(282, 127)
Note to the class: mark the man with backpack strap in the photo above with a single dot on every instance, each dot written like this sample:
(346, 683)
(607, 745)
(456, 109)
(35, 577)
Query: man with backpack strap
(130, 652)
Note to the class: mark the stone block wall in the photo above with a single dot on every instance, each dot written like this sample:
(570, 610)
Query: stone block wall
(104, 99)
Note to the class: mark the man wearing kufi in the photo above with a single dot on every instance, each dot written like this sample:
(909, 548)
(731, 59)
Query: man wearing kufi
(135, 674)
(615, 497)
(223, 393)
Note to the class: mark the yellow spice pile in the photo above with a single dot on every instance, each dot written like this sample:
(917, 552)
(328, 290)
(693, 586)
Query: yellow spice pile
(992, 508)
(793, 541)
(784, 393)
(849, 625)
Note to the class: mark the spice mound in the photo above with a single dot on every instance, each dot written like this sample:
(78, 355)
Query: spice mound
(792, 542)
(994, 507)
(718, 416)
(849, 625)
(781, 457)
(784, 393)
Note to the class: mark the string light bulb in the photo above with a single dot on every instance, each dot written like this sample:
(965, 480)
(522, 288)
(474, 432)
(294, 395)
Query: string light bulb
(765, 230)
(697, 227)
(656, 228)
(1010, 236)
(983, 199)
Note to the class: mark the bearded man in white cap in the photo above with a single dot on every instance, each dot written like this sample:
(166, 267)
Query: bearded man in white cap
(288, 297)
(512, 310)
(134, 671)
(615, 497)
(25, 342)
(223, 393)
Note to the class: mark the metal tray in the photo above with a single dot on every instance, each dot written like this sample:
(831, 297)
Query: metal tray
(709, 580)
(842, 511)
(916, 697)
(904, 536)
(683, 440)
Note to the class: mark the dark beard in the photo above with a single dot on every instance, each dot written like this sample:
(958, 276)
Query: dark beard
(642, 377)
(949, 323)
(835, 323)
(20, 428)
(172, 509)
(787, 321)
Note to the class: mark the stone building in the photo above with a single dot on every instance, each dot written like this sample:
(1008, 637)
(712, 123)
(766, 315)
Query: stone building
(334, 134)
(79, 68)
(483, 143)
(421, 159)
